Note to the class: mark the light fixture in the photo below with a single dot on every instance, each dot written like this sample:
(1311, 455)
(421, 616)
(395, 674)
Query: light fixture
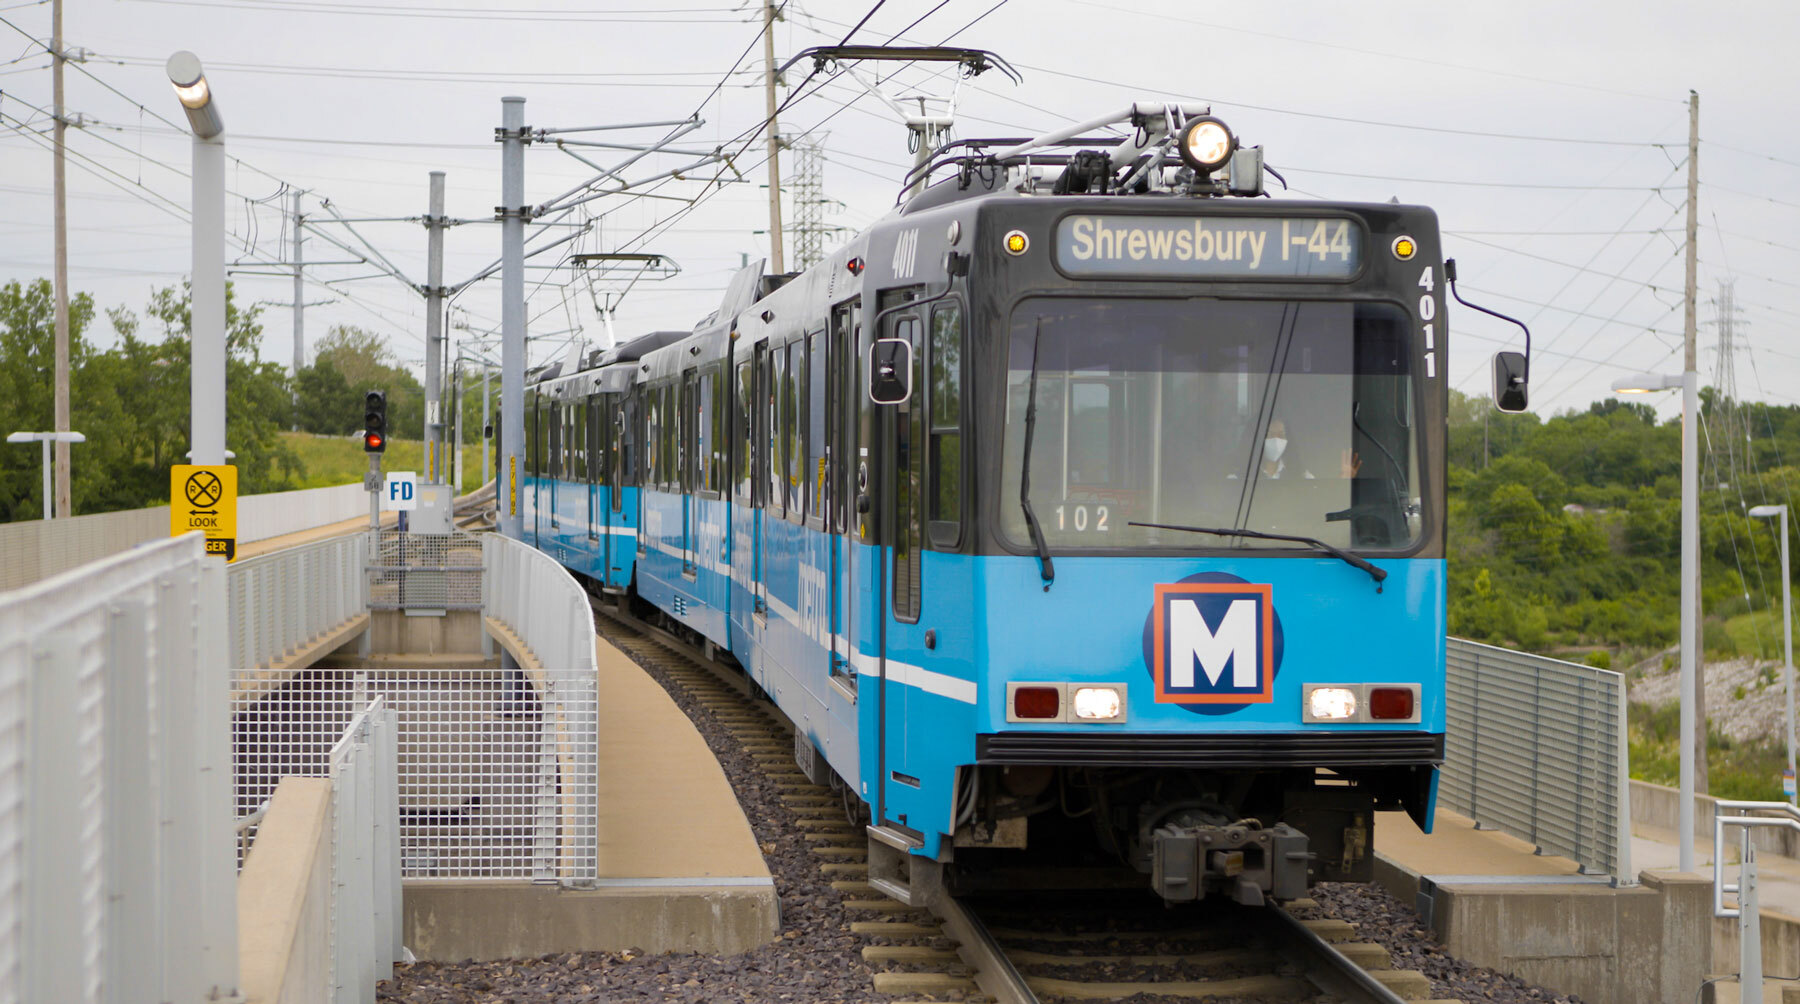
(1206, 144)
(1644, 383)
(1405, 248)
(1097, 704)
(195, 96)
(1017, 243)
(1330, 704)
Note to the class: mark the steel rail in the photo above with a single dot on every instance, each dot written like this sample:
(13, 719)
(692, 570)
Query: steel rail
(994, 972)
(1334, 971)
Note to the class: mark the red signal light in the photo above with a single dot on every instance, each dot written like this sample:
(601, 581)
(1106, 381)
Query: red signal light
(373, 441)
(1037, 702)
(1390, 703)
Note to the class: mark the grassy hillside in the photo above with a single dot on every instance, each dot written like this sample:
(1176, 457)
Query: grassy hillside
(336, 460)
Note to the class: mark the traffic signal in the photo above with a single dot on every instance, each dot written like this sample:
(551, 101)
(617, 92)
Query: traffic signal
(375, 421)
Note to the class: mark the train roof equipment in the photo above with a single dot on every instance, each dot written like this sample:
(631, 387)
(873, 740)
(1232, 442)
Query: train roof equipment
(1167, 148)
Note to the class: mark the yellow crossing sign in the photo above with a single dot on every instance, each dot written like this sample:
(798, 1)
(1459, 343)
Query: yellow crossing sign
(204, 498)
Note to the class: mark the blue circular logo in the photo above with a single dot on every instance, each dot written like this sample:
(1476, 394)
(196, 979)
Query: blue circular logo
(1278, 645)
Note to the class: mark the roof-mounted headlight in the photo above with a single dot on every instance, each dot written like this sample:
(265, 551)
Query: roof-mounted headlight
(1206, 144)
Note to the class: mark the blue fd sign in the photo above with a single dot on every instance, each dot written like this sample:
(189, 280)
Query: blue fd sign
(1214, 643)
(401, 491)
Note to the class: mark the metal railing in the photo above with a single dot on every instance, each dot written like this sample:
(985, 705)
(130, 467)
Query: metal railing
(116, 877)
(1748, 910)
(497, 767)
(540, 602)
(284, 599)
(1537, 747)
(425, 571)
(366, 915)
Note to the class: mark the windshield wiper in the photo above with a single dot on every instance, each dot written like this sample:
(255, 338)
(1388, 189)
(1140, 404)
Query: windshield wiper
(1374, 573)
(1046, 567)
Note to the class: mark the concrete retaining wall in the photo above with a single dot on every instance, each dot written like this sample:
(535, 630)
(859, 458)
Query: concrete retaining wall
(284, 898)
(451, 921)
(1660, 806)
(1654, 942)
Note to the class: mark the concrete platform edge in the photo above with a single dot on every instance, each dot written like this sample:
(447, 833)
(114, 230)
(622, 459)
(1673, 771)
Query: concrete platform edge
(453, 921)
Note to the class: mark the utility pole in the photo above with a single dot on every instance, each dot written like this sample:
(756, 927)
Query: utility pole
(513, 210)
(434, 331)
(299, 312)
(487, 424)
(456, 440)
(1693, 697)
(64, 506)
(776, 263)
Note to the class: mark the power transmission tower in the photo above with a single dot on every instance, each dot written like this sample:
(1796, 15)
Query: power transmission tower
(808, 198)
(1733, 425)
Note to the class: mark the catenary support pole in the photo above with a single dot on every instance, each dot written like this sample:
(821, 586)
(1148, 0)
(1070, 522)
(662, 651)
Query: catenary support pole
(512, 315)
(456, 440)
(1690, 513)
(1787, 654)
(58, 182)
(487, 425)
(776, 263)
(299, 310)
(434, 331)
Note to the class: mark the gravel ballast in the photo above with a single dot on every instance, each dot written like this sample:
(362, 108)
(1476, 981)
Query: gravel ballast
(817, 957)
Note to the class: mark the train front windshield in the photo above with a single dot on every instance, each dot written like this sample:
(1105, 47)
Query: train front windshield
(1292, 417)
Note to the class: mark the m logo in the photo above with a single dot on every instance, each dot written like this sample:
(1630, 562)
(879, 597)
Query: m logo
(1214, 643)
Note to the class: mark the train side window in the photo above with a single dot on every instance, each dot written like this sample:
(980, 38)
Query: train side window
(540, 434)
(792, 405)
(579, 425)
(531, 446)
(702, 432)
(690, 431)
(599, 440)
(743, 437)
(653, 437)
(668, 469)
(719, 428)
(553, 419)
(625, 453)
(816, 382)
(777, 498)
(945, 458)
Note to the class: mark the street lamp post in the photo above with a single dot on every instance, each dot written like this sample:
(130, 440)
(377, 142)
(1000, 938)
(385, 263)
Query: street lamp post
(207, 377)
(1688, 381)
(47, 438)
(1787, 632)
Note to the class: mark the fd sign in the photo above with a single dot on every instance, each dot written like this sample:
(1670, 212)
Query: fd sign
(401, 491)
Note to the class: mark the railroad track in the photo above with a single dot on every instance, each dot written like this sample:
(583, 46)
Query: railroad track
(1026, 950)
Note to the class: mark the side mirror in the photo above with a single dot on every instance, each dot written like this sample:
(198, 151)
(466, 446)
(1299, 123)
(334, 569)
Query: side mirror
(1509, 381)
(890, 371)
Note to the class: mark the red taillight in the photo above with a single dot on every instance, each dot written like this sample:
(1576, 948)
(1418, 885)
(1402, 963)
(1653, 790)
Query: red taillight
(1390, 703)
(1037, 702)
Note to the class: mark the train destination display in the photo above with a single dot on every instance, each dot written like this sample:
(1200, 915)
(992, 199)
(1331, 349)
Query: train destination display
(1186, 247)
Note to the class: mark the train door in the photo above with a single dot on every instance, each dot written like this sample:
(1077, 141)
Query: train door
(762, 412)
(893, 382)
(688, 466)
(594, 454)
(840, 423)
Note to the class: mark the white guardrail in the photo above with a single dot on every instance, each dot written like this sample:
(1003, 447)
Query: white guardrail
(283, 599)
(1537, 747)
(39, 548)
(366, 915)
(117, 881)
(526, 590)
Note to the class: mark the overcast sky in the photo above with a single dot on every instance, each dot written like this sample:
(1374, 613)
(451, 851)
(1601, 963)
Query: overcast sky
(1550, 138)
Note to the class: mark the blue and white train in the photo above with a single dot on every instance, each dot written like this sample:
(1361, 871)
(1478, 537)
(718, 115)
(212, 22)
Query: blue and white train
(1084, 512)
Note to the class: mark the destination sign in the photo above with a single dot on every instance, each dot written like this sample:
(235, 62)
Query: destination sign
(1211, 248)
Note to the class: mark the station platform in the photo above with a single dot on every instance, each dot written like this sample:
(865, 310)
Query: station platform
(679, 867)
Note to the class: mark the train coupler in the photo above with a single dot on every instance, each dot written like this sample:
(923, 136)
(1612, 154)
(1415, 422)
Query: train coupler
(1243, 859)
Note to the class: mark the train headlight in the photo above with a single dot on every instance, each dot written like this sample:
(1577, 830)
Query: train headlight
(1097, 704)
(1330, 704)
(1206, 144)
